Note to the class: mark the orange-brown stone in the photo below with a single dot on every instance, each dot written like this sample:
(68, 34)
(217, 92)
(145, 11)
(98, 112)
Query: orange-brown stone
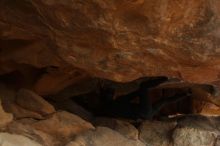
(119, 40)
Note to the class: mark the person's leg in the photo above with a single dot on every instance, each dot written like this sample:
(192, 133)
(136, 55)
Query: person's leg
(164, 101)
(145, 106)
(145, 103)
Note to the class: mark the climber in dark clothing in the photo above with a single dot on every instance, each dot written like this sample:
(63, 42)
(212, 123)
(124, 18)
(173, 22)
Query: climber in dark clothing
(123, 106)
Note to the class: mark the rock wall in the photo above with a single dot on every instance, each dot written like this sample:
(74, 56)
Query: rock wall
(120, 39)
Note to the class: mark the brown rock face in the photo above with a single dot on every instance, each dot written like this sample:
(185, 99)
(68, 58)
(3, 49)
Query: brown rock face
(35, 102)
(119, 39)
(103, 136)
(6, 117)
(63, 124)
(156, 133)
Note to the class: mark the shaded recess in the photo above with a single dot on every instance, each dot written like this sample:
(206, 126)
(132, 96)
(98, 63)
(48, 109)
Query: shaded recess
(143, 98)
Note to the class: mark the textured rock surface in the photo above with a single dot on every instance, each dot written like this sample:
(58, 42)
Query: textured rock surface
(156, 133)
(33, 102)
(8, 96)
(24, 103)
(20, 112)
(7, 139)
(123, 127)
(120, 40)
(193, 137)
(63, 124)
(5, 117)
(23, 127)
(103, 136)
(54, 80)
(195, 130)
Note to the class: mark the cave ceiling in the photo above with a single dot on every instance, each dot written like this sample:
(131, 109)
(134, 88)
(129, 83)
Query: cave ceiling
(120, 40)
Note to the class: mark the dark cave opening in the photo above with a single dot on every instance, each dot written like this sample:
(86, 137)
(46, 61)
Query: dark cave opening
(143, 98)
(160, 101)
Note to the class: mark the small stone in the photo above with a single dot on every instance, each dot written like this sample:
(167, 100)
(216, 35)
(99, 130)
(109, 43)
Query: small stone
(20, 112)
(123, 127)
(7, 139)
(31, 101)
(63, 124)
(103, 136)
(156, 133)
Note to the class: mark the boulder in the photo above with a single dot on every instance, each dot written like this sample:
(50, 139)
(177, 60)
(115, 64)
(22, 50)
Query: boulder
(193, 137)
(123, 127)
(8, 97)
(63, 124)
(103, 136)
(20, 112)
(55, 80)
(156, 133)
(196, 130)
(33, 102)
(7, 139)
(23, 127)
